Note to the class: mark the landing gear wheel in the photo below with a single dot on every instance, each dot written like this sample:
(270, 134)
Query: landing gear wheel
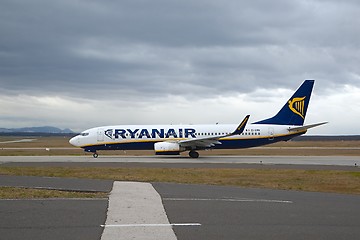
(193, 154)
(95, 155)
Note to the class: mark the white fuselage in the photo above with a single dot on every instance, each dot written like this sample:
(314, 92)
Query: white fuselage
(139, 137)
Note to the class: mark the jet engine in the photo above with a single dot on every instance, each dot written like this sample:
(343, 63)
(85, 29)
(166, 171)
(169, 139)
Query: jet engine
(167, 148)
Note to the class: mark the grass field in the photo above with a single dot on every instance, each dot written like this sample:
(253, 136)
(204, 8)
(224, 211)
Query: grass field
(287, 179)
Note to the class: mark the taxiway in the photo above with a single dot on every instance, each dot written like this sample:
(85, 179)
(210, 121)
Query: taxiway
(295, 160)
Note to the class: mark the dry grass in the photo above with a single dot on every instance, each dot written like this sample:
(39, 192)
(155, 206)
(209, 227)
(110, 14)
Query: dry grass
(27, 193)
(42, 152)
(305, 180)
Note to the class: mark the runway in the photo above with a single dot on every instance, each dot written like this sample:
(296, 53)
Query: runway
(272, 160)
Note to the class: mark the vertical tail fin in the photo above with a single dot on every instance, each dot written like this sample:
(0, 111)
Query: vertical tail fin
(294, 110)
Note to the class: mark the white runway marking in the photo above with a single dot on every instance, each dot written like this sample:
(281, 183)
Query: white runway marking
(133, 208)
(228, 200)
(153, 225)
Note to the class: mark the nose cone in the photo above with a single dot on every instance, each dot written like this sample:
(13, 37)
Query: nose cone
(74, 141)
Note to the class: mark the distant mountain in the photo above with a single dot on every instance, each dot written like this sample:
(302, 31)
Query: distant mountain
(45, 129)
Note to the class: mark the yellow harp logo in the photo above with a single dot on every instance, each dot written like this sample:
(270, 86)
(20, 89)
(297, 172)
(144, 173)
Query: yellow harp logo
(297, 106)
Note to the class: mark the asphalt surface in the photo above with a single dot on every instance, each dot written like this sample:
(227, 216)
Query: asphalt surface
(294, 160)
(238, 213)
(52, 219)
(181, 165)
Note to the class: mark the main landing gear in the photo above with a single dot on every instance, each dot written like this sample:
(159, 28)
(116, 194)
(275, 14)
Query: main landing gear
(95, 155)
(193, 154)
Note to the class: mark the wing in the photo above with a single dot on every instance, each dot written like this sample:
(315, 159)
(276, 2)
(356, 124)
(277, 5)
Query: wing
(208, 142)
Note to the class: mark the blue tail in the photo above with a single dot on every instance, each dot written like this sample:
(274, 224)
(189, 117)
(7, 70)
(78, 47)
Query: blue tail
(294, 110)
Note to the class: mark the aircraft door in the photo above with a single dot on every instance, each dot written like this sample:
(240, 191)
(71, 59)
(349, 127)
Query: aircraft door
(271, 133)
(100, 135)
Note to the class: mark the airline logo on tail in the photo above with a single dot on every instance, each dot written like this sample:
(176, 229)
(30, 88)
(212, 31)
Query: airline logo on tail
(297, 106)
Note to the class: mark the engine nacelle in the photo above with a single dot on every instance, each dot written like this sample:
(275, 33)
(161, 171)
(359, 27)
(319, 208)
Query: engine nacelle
(167, 148)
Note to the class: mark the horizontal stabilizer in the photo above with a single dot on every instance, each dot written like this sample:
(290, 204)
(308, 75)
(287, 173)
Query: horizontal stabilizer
(306, 127)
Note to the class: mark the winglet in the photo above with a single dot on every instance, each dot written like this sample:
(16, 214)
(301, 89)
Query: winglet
(241, 126)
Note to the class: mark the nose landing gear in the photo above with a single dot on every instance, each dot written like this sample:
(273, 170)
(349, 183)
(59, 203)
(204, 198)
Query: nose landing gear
(93, 151)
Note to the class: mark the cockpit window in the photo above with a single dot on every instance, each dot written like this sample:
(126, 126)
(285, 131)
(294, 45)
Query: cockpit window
(84, 134)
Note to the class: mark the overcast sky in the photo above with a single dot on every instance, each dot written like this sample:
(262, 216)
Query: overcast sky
(83, 63)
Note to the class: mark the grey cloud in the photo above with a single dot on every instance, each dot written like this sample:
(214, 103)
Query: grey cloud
(149, 49)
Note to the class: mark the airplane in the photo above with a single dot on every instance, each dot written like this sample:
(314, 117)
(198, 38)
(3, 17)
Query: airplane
(174, 139)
